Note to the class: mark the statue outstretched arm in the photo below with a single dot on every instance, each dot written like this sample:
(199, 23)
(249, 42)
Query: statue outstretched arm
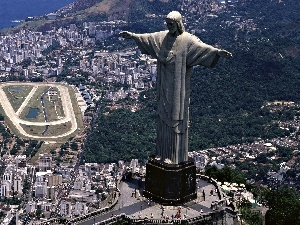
(224, 53)
(126, 34)
(148, 43)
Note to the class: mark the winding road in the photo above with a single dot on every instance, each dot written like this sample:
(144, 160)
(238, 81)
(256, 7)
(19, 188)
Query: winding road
(14, 116)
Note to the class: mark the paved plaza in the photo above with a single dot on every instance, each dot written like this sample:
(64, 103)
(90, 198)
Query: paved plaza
(132, 204)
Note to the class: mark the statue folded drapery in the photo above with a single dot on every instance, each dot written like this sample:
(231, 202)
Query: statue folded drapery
(176, 52)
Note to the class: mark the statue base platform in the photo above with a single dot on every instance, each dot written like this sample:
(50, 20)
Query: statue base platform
(170, 184)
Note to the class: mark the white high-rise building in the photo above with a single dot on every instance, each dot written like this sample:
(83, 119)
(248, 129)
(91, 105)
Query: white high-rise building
(78, 184)
(7, 176)
(80, 208)
(18, 185)
(45, 162)
(66, 208)
(41, 190)
(5, 189)
(30, 207)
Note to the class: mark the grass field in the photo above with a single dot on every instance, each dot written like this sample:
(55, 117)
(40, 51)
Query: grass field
(17, 94)
(53, 130)
(54, 108)
(35, 102)
(46, 147)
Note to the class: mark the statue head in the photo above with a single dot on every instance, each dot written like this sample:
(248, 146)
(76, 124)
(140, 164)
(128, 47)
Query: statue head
(176, 17)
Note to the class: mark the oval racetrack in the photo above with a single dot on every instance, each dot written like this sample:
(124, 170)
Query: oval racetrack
(14, 116)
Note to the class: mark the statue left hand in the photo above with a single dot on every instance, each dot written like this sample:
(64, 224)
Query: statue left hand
(126, 34)
(224, 53)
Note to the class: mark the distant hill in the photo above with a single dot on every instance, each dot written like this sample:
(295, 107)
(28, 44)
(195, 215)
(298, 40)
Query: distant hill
(100, 10)
(111, 8)
(120, 9)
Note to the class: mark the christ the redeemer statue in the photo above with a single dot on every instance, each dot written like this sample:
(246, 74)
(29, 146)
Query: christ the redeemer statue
(176, 52)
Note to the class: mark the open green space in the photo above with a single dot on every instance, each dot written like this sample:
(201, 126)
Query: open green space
(46, 147)
(17, 94)
(51, 131)
(53, 105)
(58, 129)
(35, 102)
(33, 130)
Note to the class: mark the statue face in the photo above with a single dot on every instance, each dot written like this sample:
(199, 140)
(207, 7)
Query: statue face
(171, 25)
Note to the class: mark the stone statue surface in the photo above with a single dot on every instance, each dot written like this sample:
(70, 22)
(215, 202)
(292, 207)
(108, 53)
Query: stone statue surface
(176, 52)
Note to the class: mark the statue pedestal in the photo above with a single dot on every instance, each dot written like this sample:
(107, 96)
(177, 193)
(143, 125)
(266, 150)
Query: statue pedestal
(170, 184)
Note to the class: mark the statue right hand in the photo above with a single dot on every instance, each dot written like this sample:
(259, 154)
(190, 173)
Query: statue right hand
(126, 34)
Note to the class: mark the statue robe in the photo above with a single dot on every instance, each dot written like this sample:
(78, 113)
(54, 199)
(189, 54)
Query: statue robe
(175, 58)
